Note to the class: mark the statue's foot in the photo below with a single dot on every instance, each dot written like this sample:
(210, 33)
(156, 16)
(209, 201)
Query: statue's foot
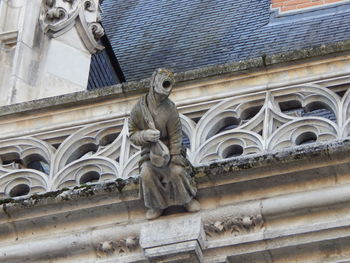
(153, 213)
(193, 206)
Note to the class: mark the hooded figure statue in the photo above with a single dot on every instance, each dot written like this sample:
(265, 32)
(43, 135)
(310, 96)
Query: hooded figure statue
(155, 126)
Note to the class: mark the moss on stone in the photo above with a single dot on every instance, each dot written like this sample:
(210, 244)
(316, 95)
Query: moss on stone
(230, 167)
(6, 201)
(289, 155)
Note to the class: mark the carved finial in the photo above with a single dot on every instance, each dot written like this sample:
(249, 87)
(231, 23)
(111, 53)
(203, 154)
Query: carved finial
(57, 18)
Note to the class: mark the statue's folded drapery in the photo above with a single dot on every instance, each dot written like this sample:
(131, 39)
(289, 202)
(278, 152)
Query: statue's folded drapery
(171, 184)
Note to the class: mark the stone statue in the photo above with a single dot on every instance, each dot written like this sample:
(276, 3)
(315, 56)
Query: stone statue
(155, 126)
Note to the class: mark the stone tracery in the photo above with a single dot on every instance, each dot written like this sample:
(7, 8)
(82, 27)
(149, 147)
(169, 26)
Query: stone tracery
(250, 124)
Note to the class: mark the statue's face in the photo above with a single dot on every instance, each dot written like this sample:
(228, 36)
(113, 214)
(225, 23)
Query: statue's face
(163, 84)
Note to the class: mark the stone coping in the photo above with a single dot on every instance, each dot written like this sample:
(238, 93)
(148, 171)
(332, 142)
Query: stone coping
(127, 189)
(287, 155)
(138, 87)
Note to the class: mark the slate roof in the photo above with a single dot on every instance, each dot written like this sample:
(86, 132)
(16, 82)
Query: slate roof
(101, 72)
(104, 68)
(188, 34)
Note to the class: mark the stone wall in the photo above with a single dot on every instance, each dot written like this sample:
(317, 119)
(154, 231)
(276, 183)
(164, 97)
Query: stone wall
(45, 47)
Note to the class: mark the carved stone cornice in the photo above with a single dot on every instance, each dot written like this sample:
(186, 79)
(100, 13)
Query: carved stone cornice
(59, 16)
(8, 38)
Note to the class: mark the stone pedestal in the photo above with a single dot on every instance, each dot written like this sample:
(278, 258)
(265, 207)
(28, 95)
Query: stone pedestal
(173, 240)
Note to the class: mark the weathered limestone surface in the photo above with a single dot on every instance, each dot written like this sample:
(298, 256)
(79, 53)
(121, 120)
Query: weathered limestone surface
(274, 208)
(45, 47)
(178, 239)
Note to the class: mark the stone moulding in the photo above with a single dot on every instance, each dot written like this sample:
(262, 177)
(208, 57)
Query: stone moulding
(234, 226)
(59, 16)
(121, 247)
(8, 38)
(46, 225)
(220, 170)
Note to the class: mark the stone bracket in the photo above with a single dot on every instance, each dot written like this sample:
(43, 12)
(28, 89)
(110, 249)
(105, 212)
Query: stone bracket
(174, 240)
(9, 37)
(185, 252)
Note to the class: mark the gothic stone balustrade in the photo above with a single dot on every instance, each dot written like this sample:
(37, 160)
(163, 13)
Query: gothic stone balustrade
(249, 124)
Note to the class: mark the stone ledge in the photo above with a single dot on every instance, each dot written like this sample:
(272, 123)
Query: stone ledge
(9, 37)
(288, 155)
(273, 237)
(127, 190)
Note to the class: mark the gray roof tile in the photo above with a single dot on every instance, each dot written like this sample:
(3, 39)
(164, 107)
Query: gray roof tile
(101, 72)
(183, 34)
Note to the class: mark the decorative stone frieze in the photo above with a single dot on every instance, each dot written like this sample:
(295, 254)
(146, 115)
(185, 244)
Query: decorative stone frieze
(59, 16)
(234, 226)
(120, 247)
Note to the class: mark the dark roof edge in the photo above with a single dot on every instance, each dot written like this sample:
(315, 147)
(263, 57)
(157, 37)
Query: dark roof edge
(113, 59)
(139, 87)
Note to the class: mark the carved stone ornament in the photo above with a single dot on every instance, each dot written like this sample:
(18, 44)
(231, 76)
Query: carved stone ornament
(59, 16)
(120, 247)
(234, 226)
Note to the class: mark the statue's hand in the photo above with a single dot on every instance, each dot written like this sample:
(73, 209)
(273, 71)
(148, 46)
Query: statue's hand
(178, 159)
(151, 135)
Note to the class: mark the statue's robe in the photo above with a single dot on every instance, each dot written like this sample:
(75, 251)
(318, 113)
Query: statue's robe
(172, 184)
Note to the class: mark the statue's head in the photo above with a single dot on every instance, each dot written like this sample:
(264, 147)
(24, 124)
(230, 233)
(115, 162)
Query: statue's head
(162, 82)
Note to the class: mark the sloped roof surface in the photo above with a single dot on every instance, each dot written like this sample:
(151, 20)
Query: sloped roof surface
(189, 34)
(101, 72)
